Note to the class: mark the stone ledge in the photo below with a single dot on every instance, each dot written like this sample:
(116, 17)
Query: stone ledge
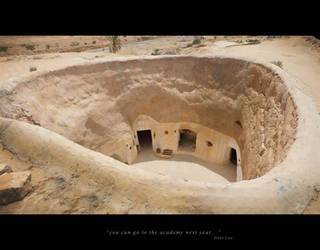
(14, 186)
(4, 168)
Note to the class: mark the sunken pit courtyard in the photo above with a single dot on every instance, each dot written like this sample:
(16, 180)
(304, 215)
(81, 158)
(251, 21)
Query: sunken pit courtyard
(225, 112)
(199, 119)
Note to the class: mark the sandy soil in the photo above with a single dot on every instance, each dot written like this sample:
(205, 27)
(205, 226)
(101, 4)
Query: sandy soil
(185, 167)
(18, 45)
(15, 163)
(300, 58)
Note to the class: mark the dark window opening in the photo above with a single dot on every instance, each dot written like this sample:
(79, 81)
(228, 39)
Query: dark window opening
(239, 124)
(209, 143)
(233, 156)
(187, 140)
(145, 139)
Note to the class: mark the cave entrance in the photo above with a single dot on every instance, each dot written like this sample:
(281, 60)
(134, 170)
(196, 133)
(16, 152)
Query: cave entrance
(233, 156)
(187, 140)
(145, 139)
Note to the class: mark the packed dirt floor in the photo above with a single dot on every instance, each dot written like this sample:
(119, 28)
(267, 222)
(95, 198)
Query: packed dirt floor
(300, 57)
(184, 166)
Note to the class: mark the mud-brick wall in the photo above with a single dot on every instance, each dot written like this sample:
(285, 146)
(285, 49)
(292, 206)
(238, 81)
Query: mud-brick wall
(166, 136)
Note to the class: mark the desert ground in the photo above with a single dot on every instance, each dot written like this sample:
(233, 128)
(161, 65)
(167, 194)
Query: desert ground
(299, 57)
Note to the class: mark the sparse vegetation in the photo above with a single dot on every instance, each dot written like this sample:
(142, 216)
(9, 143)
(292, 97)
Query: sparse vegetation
(30, 47)
(196, 41)
(32, 69)
(74, 44)
(155, 52)
(158, 150)
(94, 42)
(253, 41)
(4, 48)
(277, 63)
(115, 44)
(47, 46)
(239, 41)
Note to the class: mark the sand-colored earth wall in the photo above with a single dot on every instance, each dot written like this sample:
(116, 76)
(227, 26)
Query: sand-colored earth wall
(96, 105)
(211, 91)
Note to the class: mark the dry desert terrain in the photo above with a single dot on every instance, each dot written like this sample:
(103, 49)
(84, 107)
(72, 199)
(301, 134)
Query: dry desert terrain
(72, 115)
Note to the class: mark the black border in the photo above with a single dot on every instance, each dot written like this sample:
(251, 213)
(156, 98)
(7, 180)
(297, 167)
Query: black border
(160, 18)
(201, 19)
(218, 228)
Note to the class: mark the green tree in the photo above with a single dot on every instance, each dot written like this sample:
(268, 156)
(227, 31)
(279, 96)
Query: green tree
(115, 44)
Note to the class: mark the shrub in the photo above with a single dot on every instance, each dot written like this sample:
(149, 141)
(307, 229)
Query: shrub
(29, 46)
(4, 48)
(155, 52)
(74, 44)
(253, 41)
(189, 45)
(158, 150)
(115, 44)
(196, 41)
(239, 41)
(32, 69)
(94, 42)
(47, 46)
(278, 63)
